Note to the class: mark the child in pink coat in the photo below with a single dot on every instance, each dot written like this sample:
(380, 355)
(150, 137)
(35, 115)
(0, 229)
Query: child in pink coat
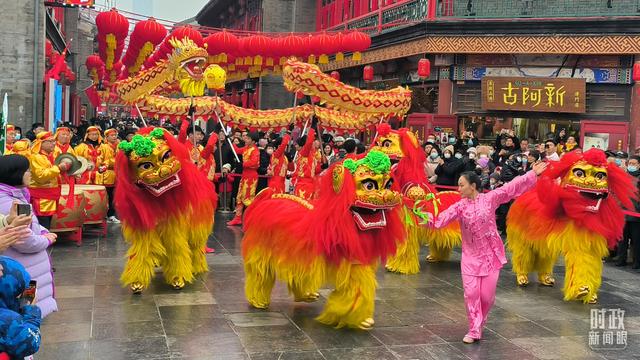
(482, 249)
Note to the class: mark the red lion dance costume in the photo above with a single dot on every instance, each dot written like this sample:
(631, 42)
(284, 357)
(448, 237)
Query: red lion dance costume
(338, 238)
(166, 206)
(411, 180)
(574, 210)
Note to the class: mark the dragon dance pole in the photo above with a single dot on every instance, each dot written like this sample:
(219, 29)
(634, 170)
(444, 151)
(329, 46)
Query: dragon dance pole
(224, 129)
(144, 123)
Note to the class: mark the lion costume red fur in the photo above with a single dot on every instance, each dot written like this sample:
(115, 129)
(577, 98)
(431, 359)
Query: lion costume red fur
(574, 211)
(338, 238)
(411, 180)
(166, 206)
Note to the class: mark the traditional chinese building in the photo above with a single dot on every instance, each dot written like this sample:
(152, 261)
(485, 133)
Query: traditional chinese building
(534, 66)
(267, 16)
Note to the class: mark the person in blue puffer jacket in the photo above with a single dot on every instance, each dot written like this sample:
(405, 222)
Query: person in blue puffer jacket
(19, 323)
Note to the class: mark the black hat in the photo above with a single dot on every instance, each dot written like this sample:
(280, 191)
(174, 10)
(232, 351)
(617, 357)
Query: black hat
(621, 155)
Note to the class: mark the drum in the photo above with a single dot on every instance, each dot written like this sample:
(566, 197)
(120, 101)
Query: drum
(97, 203)
(69, 218)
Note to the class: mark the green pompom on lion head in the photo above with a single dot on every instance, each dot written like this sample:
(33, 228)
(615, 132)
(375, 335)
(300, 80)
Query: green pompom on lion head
(140, 145)
(157, 133)
(375, 160)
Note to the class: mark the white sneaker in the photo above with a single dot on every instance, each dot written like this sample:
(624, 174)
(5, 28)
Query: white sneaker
(113, 220)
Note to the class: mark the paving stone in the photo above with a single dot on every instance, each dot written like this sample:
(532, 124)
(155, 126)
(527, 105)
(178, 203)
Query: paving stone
(418, 316)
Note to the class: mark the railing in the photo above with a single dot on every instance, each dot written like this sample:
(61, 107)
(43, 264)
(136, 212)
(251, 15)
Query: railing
(410, 12)
(507, 9)
(388, 17)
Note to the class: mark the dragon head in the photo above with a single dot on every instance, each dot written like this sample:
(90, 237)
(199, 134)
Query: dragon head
(188, 61)
(372, 184)
(152, 163)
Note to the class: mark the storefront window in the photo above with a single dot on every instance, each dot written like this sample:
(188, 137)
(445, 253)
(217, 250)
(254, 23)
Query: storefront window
(486, 128)
(424, 99)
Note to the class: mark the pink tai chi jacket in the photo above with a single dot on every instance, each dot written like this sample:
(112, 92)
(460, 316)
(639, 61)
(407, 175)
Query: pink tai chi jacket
(482, 248)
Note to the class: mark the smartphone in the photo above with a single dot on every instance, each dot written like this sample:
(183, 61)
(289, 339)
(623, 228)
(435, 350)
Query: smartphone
(29, 294)
(24, 209)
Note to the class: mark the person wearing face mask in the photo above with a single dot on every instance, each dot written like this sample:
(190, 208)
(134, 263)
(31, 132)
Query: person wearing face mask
(631, 232)
(620, 159)
(432, 163)
(505, 145)
(11, 138)
(466, 141)
(470, 161)
(449, 168)
(493, 182)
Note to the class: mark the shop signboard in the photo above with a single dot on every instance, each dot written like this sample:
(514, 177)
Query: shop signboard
(534, 94)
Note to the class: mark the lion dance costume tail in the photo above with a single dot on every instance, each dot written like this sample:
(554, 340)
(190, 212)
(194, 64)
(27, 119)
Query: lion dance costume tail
(167, 208)
(336, 239)
(574, 211)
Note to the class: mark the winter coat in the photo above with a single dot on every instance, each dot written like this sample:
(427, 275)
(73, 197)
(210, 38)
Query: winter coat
(449, 172)
(32, 254)
(636, 177)
(19, 324)
(430, 167)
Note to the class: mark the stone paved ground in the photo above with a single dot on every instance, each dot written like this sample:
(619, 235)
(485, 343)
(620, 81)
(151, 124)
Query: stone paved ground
(417, 317)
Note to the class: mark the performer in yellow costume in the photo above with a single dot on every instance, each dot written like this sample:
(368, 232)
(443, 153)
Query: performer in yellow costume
(106, 169)
(45, 178)
(90, 150)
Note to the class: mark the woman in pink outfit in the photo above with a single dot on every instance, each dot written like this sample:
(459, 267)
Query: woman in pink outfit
(482, 249)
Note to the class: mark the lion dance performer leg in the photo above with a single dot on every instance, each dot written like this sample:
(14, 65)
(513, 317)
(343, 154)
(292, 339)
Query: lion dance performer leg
(166, 206)
(338, 238)
(574, 211)
(410, 178)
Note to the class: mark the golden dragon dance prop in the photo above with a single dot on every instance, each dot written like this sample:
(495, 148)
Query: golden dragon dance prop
(309, 79)
(185, 65)
(329, 119)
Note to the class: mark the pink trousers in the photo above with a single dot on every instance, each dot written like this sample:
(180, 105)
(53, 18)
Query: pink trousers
(479, 296)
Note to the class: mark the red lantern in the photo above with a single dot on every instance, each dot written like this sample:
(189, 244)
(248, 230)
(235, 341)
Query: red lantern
(112, 22)
(294, 45)
(367, 73)
(636, 71)
(112, 31)
(424, 68)
(357, 42)
(222, 42)
(145, 37)
(335, 75)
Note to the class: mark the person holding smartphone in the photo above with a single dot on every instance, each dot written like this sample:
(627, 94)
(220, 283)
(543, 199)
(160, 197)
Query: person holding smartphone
(30, 250)
(19, 317)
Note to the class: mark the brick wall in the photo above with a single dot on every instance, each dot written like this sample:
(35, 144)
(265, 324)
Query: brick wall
(82, 32)
(278, 17)
(16, 60)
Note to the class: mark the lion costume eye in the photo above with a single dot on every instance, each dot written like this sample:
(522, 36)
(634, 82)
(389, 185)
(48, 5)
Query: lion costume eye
(601, 176)
(369, 185)
(386, 143)
(145, 165)
(579, 173)
(166, 156)
(388, 184)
